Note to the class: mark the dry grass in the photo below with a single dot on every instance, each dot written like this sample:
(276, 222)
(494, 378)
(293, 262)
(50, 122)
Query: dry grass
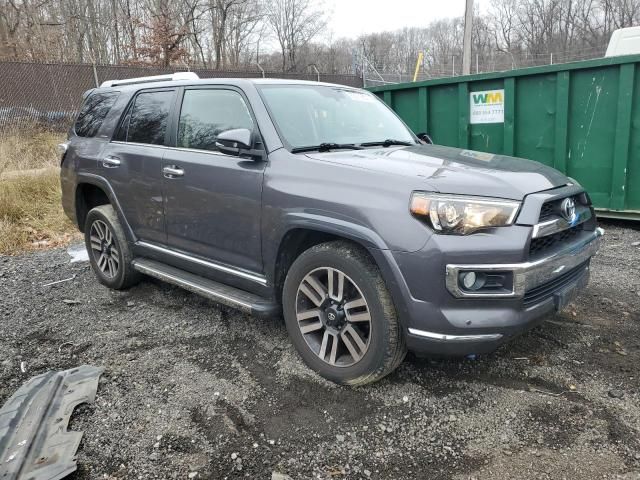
(31, 215)
(27, 149)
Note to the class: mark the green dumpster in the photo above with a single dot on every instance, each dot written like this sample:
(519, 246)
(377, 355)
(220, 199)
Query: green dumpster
(582, 118)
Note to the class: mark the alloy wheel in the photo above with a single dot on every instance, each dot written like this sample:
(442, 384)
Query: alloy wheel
(333, 317)
(104, 249)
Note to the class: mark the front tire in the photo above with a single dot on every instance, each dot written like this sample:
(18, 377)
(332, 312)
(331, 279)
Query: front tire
(340, 316)
(109, 252)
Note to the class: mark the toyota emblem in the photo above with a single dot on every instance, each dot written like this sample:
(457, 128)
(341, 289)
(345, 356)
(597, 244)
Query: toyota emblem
(331, 316)
(568, 209)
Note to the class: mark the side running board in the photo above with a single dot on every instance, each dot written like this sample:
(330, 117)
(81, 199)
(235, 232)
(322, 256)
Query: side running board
(224, 294)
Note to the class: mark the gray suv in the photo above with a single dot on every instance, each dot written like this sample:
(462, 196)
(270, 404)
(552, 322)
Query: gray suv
(315, 201)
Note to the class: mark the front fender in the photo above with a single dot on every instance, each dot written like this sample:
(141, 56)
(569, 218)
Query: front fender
(360, 234)
(342, 227)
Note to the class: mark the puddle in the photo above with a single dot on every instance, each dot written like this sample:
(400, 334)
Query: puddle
(78, 253)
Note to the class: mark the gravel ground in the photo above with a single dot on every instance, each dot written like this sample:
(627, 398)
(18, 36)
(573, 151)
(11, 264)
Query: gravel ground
(192, 390)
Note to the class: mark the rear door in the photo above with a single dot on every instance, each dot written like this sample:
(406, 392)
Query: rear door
(213, 200)
(133, 162)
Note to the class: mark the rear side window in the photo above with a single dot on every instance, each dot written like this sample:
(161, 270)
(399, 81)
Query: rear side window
(146, 120)
(93, 112)
(207, 113)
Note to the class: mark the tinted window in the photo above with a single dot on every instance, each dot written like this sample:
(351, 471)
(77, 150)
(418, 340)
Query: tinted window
(207, 113)
(121, 134)
(148, 119)
(93, 112)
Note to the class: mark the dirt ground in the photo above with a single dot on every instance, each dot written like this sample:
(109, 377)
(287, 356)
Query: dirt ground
(192, 390)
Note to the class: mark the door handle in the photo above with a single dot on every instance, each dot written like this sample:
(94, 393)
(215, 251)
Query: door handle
(172, 171)
(111, 162)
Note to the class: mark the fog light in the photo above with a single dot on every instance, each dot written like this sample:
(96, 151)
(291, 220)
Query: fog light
(472, 280)
(468, 279)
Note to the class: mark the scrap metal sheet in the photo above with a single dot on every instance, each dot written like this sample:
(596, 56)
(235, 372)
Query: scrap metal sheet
(34, 441)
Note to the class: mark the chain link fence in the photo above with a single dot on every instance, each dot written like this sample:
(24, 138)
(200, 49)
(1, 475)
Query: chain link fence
(48, 95)
(379, 74)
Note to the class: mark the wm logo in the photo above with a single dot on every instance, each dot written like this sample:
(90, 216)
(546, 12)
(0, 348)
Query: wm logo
(489, 98)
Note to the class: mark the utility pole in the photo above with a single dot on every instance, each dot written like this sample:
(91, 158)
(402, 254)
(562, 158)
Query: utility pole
(466, 47)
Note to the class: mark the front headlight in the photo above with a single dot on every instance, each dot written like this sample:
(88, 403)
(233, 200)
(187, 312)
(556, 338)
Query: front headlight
(461, 215)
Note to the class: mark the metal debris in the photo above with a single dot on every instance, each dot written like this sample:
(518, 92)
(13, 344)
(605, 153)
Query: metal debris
(78, 253)
(34, 441)
(59, 281)
(69, 301)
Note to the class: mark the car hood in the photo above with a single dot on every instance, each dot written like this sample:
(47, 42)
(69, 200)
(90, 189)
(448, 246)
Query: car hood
(455, 171)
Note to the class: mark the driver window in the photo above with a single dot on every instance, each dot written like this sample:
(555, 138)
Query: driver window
(207, 113)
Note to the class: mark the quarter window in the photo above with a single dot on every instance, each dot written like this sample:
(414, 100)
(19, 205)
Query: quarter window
(207, 113)
(147, 120)
(93, 112)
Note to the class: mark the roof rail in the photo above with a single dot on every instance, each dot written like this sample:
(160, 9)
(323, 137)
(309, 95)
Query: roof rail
(155, 78)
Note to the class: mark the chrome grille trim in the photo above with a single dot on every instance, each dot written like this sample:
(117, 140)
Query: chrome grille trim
(549, 227)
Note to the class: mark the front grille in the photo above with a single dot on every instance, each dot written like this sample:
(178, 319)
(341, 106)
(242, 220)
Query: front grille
(551, 209)
(539, 245)
(547, 290)
(548, 211)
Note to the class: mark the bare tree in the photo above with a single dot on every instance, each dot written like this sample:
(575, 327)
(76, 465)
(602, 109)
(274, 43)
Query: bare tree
(295, 23)
(244, 26)
(10, 20)
(233, 33)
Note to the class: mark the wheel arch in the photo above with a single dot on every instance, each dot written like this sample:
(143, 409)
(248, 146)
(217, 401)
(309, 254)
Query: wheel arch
(92, 191)
(88, 196)
(310, 230)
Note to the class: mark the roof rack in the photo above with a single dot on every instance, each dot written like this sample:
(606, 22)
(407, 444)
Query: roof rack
(154, 78)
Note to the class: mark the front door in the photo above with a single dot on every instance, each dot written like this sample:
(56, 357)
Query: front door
(132, 163)
(213, 200)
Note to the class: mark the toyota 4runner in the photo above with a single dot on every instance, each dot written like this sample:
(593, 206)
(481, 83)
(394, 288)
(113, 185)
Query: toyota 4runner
(315, 201)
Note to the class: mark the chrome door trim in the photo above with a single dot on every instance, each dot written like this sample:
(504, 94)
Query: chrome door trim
(254, 277)
(177, 149)
(197, 150)
(111, 162)
(172, 171)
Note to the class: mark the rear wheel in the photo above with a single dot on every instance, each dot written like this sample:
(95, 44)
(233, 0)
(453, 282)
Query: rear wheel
(109, 252)
(340, 316)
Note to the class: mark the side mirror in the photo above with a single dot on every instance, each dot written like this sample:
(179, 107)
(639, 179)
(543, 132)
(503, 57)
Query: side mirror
(425, 138)
(232, 141)
(239, 142)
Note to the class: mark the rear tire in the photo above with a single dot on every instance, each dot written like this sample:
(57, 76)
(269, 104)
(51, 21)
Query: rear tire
(109, 252)
(344, 328)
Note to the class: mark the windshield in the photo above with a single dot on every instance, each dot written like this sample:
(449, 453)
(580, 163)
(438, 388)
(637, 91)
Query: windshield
(308, 115)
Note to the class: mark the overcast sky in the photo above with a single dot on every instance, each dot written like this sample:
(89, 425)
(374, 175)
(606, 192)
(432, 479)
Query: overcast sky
(351, 18)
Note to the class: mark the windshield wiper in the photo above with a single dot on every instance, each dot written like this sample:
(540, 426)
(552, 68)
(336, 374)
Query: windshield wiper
(325, 147)
(387, 143)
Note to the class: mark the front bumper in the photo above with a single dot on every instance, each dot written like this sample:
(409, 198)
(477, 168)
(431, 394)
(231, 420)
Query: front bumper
(528, 275)
(440, 319)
